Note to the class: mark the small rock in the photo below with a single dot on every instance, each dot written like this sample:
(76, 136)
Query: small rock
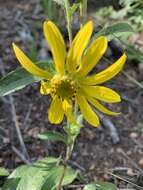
(106, 177)
(92, 167)
(119, 150)
(33, 132)
(130, 172)
(141, 162)
(6, 140)
(133, 135)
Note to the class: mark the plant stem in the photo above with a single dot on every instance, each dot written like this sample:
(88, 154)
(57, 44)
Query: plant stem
(50, 8)
(83, 12)
(67, 157)
(71, 140)
(69, 20)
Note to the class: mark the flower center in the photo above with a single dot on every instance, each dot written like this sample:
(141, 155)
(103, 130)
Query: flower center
(64, 87)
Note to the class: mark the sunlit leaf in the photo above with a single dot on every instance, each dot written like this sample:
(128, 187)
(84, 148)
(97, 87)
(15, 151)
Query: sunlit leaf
(99, 185)
(31, 177)
(3, 172)
(14, 178)
(41, 175)
(53, 136)
(52, 180)
(11, 184)
(34, 178)
(90, 186)
(115, 29)
(19, 172)
(70, 176)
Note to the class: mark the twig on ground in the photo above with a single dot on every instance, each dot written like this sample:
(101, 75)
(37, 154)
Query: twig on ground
(2, 130)
(77, 165)
(17, 127)
(20, 155)
(120, 169)
(131, 161)
(132, 79)
(5, 100)
(27, 116)
(14, 117)
(126, 180)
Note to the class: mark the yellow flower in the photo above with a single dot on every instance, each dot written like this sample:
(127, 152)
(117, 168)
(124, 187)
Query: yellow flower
(71, 83)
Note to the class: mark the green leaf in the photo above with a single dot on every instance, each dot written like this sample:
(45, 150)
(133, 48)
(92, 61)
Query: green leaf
(3, 172)
(39, 176)
(20, 78)
(70, 176)
(53, 136)
(32, 177)
(75, 6)
(19, 172)
(11, 184)
(105, 186)
(14, 178)
(48, 162)
(90, 186)
(115, 29)
(52, 179)
(99, 185)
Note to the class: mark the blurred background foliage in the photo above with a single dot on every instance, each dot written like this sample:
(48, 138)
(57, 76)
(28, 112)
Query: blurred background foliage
(131, 12)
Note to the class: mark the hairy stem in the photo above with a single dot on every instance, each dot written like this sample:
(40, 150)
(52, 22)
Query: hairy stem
(67, 157)
(83, 11)
(69, 20)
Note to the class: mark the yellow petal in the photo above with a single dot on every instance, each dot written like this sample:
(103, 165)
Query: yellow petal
(87, 112)
(67, 107)
(100, 107)
(102, 93)
(93, 55)
(56, 43)
(29, 65)
(106, 74)
(45, 88)
(56, 113)
(78, 46)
